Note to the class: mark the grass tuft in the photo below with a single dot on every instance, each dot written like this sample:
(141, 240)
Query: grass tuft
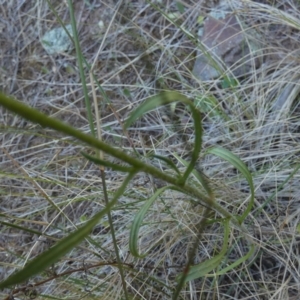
(202, 193)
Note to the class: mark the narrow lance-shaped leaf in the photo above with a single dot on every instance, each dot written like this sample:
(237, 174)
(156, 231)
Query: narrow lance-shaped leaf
(52, 255)
(200, 178)
(165, 98)
(237, 163)
(207, 266)
(137, 222)
(235, 264)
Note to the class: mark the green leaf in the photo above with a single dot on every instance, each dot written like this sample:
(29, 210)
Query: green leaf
(83, 218)
(237, 163)
(52, 255)
(137, 222)
(126, 92)
(199, 177)
(211, 106)
(207, 266)
(135, 227)
(180, 7)
(229, 82)
(165, 98)
(235, 264)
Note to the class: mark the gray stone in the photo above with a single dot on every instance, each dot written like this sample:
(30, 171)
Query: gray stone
(226, 44)
(57, 40)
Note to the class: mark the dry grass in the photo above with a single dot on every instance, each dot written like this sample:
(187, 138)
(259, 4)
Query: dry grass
(47, 186)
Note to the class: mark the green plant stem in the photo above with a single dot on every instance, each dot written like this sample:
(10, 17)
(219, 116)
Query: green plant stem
(45, 121)
(113, 235)
(80, 60)
(191, 255)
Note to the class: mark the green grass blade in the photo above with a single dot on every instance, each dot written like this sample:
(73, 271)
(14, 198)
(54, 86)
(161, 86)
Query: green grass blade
(87, 65)
(52, 255)
(23, 228)
(137, 222)
(237, 163)
(80, 66)
(235, 264)
(152, 103)
(80, 58)
(199, 177)
(207, 266)
(165, 98)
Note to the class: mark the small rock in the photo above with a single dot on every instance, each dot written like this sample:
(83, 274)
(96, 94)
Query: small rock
(57, 40)
(227, 45)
